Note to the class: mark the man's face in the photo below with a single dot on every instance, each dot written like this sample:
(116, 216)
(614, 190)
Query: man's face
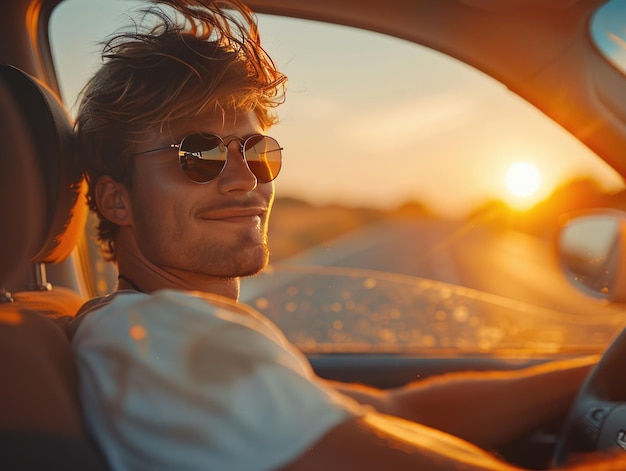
(217, 228)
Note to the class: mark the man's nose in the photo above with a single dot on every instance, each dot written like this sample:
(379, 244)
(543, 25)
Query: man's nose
(236, 176)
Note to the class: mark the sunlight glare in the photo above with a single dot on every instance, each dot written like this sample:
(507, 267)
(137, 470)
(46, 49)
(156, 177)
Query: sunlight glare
(523, 179)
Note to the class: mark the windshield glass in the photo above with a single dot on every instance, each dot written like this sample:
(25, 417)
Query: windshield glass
(417, 202)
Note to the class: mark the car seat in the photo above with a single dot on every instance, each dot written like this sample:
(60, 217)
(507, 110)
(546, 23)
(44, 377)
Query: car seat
(43, 210)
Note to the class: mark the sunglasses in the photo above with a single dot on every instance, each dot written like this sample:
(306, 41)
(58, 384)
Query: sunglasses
(203, 156)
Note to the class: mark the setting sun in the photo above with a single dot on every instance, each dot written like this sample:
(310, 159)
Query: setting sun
(523, 179)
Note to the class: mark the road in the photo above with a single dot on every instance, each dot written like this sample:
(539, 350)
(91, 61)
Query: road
(522, 297)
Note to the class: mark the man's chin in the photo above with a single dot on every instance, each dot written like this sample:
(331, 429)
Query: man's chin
(231, 264)
(253, 270)
(252, 265)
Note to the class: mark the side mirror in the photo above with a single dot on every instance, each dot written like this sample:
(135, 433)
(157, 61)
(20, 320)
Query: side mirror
(591, 249)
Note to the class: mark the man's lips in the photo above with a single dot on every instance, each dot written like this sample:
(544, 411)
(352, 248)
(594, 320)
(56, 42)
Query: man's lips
(234, 214)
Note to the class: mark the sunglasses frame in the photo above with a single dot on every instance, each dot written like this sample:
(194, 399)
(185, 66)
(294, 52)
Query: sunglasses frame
(183, 155)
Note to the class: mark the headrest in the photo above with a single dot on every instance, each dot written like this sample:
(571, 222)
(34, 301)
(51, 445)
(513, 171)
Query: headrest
(42, 203)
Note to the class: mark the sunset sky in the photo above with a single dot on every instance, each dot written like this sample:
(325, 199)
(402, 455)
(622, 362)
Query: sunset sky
(375, 121)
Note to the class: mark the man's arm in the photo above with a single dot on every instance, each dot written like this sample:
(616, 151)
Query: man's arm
(376, 441)
(485, 408)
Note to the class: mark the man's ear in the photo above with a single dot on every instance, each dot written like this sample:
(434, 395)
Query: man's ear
(113, 201)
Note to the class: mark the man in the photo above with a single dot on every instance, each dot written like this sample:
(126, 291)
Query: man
(175, 374)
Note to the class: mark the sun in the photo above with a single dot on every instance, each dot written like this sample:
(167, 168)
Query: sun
(523, 179)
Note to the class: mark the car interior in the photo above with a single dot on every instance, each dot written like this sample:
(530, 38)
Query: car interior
(42, 194)
(41, 419)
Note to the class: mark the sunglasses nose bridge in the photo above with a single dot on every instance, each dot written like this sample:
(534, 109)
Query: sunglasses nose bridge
(240, 143)
(241, 148)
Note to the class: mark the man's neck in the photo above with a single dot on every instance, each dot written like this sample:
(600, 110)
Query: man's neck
(147, 279)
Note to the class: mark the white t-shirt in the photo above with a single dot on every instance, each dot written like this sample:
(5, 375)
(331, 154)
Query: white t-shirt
(188, 381)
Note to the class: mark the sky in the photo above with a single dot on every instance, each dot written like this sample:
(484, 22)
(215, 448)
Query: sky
(371, 120)
(609, 31)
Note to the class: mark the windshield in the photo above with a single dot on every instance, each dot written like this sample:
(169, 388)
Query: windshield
(417, 202)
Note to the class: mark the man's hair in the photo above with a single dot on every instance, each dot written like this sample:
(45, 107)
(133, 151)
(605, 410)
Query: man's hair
(183, 57)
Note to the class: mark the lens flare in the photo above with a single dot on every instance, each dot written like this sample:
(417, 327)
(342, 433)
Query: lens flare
(523, 179)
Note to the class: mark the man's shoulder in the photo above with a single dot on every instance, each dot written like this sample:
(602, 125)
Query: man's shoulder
(162, 299)
(176, 309)
(96, 304)
(206, 366)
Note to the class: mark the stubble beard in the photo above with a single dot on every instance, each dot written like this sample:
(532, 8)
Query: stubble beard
(245, 255)
(238, 260)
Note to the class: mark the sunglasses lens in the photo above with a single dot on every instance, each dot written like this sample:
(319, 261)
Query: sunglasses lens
(264, 157)
(202, 157)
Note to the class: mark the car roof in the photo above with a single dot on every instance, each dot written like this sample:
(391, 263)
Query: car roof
(539, 49)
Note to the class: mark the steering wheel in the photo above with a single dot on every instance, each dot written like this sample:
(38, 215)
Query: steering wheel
(597, 419)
